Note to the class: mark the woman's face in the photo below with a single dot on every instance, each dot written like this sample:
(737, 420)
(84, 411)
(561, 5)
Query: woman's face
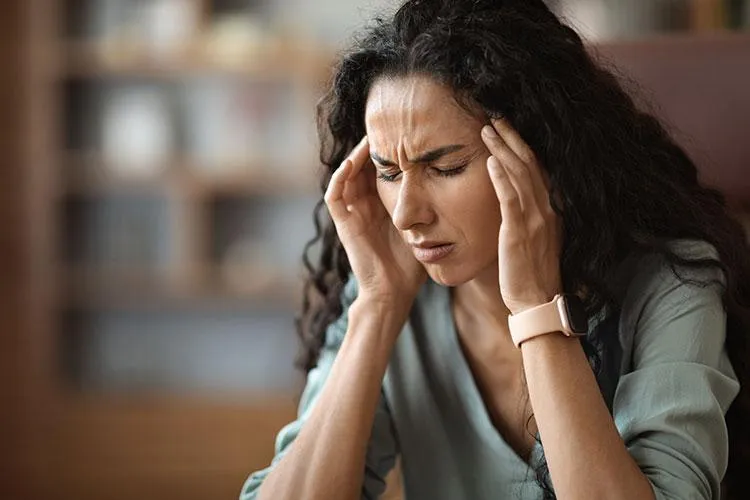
(432, 177)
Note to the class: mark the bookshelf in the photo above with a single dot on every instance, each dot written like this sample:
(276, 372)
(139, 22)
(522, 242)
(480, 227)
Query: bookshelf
(274, 63)
(167, 256)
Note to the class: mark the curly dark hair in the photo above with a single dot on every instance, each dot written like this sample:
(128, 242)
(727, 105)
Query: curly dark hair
(622, 183)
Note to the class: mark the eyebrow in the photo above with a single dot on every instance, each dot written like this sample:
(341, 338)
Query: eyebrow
(430, 156)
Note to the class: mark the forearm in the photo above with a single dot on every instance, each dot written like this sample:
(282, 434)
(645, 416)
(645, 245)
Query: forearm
(585, 454)
(327, 460)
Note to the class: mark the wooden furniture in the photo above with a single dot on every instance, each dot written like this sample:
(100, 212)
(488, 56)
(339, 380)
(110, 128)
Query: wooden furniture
(62, 437)
(60, 440)
(14, 248)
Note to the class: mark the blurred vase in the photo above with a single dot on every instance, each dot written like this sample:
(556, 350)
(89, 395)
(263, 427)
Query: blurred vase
(224, 123)
(169, 25)
(137, 132)
(236, 39)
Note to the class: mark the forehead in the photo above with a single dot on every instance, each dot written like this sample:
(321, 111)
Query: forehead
(418, 110)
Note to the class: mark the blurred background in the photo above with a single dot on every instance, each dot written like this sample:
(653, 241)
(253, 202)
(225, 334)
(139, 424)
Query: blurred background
(160, 170)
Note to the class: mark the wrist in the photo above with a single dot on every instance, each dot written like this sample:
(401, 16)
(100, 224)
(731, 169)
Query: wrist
(565, 314)
(390, 304)
(530, 302)
(387, 316)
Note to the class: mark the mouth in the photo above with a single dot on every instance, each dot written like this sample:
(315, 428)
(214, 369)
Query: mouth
(429, 252)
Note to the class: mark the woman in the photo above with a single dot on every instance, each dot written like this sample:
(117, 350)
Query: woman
(479, 165)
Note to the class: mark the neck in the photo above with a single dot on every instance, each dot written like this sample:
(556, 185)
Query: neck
(480, 298)
(482, 317)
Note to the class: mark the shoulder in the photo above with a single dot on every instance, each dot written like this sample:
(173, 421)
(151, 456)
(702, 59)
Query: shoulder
(669, 310)
(676, 382)
(653, 277)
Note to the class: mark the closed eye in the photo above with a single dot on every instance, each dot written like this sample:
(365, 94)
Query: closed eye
(442, 172)
(449, 172)
(387, 177)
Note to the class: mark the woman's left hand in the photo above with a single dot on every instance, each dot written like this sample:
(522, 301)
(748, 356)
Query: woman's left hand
(530, 240)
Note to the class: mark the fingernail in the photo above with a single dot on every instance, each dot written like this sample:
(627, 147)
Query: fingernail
(493, 165)
(489, 132)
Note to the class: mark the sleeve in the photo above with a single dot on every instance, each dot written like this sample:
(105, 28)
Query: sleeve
(670, 408)
(382, 448)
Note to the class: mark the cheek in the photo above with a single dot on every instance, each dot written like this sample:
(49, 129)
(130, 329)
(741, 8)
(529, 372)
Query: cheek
(387, 195)
(479, 212)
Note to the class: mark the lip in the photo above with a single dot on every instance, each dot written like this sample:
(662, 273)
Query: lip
(432, 252)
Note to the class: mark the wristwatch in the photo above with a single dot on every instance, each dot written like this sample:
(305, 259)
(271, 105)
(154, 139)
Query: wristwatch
(565, 314)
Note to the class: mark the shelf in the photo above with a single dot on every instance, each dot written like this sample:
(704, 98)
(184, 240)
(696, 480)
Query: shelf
(91, 288)
(94, 60)
(90, 176)
(103, 183)
(256, 181)
(121, 448)
(298, 63)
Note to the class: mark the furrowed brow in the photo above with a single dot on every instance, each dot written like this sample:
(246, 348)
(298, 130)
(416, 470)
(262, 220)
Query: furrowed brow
(428, 157)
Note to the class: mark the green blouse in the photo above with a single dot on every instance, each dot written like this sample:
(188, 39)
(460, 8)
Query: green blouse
(668, 385)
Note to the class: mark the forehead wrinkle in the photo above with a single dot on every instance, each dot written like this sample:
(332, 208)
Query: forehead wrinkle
(410, 114)
(405, 114)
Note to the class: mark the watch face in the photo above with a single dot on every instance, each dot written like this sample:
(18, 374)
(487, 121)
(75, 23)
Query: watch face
(576, 313)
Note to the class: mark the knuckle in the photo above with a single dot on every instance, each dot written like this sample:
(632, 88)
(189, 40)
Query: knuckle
(503, 153)
(527, 155)
(537, 225)
(512, 199)
(522, 171)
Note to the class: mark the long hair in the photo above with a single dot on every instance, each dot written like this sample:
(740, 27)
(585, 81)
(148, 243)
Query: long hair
(621, 181)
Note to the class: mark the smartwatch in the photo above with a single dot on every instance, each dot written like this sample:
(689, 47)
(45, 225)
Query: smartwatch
(564, 314)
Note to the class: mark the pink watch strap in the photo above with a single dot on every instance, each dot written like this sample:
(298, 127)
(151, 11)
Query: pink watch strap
(539, 320)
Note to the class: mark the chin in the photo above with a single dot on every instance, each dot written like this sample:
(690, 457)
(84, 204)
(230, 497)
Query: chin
(449, 275)
(453, 273)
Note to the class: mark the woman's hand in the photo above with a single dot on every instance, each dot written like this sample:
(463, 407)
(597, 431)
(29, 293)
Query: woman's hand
(530, 238)
(382, 262)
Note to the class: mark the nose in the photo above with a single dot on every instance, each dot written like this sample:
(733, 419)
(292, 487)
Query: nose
(413, 207)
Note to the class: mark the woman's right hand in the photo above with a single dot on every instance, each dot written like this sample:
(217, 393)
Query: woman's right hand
(384, 265)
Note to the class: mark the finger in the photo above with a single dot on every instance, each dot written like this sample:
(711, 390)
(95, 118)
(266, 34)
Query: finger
(517, 171)
(348, 169)
(350, 193)
(361, 183)
(514, 140)
(360, 155)
(369, 178)
(507, 195)
(334, 193)
(540, 182)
